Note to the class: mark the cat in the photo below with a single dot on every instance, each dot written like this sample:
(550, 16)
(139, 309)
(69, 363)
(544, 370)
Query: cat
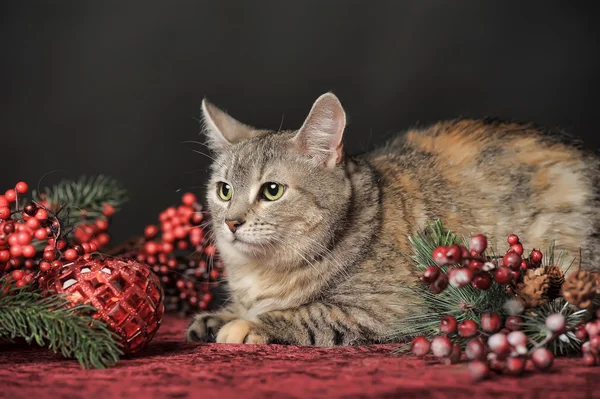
(315, 242)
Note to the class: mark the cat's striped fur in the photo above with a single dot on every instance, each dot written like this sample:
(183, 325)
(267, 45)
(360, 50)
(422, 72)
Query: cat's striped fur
(326, 264)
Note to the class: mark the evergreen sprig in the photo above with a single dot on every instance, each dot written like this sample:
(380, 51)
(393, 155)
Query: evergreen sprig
(85, 196)
(49, 321)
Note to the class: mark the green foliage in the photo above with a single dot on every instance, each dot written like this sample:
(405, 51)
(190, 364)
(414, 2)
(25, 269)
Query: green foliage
(83, 198)
(48, 321)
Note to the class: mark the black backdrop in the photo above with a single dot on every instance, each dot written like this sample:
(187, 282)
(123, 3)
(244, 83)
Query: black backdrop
(114, 87)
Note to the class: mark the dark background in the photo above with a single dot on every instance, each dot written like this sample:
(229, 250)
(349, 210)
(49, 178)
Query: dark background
(90, 87)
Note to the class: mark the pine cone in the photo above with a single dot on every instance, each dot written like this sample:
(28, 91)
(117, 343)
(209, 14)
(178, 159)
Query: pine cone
(580, 288)
(534, 290)
(556, 279)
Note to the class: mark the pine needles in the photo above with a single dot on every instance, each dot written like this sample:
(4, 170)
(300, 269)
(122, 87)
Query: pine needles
(48, 321)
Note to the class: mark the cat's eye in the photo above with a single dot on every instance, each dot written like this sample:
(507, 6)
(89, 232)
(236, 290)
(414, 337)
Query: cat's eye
(225, 191)
(272, 191)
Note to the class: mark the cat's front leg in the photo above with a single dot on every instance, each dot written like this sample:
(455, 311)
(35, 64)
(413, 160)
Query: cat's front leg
(314, 324)
(206, 326)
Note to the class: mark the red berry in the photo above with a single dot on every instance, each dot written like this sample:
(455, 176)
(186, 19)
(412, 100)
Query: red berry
(71, 254)
(179, 232)
(108, 210)
(10, 195)
(479, 370)
(151, 247)
(3, 201)
(440, 284)
(188, 199)
(556, 323)
(478, 243)
(44, 266)
(454, 356)
(513, 323)
(28, 251)
(518, 248)
(491, 322)
(476, 266)
(17, 275)
(210, 250)
(439, 256)
(4, 256)
(23, 238)
(15, 251)
(441, 346)
(448, 325)
(102, 224)
(21, 187)
(41, 214)
(518, 340)
(589, 359)
(512, 260)
(4, 212)
(467, 328)
(542, 358)
(536, 256)
(214, 274)
(581, 333)
(454, 254)
(513, 239)
(595, 343)
(460, 277)
(420, 346)
(40, 234)
(514, 366)
(482, 281)
(498, 343)
(475, 350)
(150, 231)
(93, 246)
(524, 265)
(103, 239)
(430, 274)
(21, 283)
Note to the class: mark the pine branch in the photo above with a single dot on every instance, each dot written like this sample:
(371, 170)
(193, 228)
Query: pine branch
(84, 198)
(49, 321)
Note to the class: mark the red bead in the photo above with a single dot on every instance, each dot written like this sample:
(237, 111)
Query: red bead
(108, 210)
(513, 239)
(430, 274)
(21, 283)
(28, 251)
(595, 343)
(21, 187)
(41, 214)
(33, 223)
(151, 247)
(518, 340)
(103, 239)
(150, 231)
(17, 275)
(514, 366)
(3, 201)
(513, 323)
(512, 260)
(15, 251)
(498, 343)
(188, 199)
(40, 234)
(454, 254)
(467, 328)
(478, 243)
(556, 323)
(44, 266)
(101, 224)
(93, 246)
(448, 325)
(482, 281)
(168, 236)
(167, 247)
(479, 370)
(476, 266)
(460, 277)
(4, 256)
(23, 238)
(536, 256)
(518, 248)
(210, 250)
(71, 254)
(491, 322)
(475, 350)
(439, 256)
(56, 264)
(440, 284)
(589, 359)
(420, 346)
(214, 274)
(4, 212)
(10, 195)
(542, 359)
(49, 255)
(441, 346)
(524, 265)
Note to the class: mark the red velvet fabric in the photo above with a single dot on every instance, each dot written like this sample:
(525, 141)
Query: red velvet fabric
(171, 368)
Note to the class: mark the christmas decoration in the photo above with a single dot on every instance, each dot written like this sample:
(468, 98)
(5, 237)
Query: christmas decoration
(126, 295)
(54, 322)
(182, 254)
(520, 292)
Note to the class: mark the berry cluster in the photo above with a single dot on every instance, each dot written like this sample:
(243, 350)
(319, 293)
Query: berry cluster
(181, 253)
(589, 334)
(491, 346)
(34, 240)
(473, 267)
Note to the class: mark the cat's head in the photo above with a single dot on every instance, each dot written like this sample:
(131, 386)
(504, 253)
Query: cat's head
(277, 194)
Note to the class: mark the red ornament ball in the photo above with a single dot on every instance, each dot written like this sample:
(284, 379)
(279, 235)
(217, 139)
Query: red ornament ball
(126, 294)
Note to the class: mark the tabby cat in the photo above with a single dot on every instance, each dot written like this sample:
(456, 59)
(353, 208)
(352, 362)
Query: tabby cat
(315, 241)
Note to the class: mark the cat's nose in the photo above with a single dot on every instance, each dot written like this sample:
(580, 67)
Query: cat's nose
(234, 224)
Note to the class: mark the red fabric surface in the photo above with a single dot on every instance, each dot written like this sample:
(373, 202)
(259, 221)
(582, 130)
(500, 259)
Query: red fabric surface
(171, 368)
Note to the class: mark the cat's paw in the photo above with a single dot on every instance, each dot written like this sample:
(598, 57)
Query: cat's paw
(241, 332)
(205, 326)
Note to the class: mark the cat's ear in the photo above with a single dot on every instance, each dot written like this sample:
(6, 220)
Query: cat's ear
(320, 137)
(222, 130)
